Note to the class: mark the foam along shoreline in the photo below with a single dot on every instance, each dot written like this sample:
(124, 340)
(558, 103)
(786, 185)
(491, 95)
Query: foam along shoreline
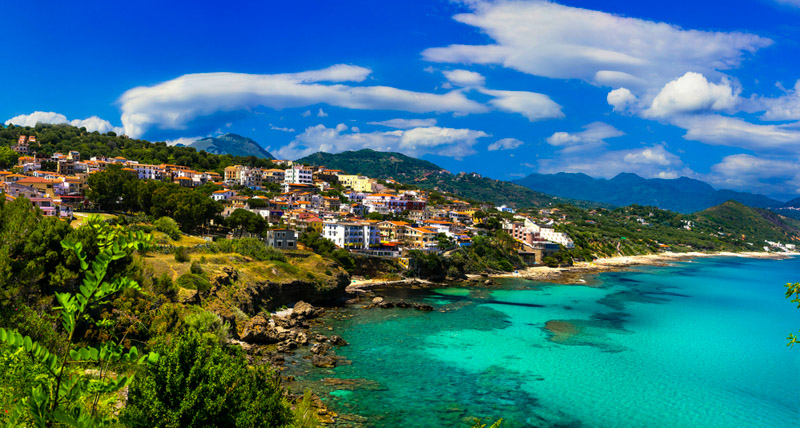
(571, 273)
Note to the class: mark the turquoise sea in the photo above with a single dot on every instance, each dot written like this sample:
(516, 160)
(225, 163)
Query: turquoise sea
(697, 344)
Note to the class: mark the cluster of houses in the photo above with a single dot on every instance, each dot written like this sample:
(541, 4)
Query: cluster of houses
(57, 185)
(303, 206)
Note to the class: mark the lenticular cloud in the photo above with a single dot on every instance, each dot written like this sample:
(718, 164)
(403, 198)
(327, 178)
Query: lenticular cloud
(174, 104)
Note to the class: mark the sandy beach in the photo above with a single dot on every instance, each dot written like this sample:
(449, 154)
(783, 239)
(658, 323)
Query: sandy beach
(570, 273)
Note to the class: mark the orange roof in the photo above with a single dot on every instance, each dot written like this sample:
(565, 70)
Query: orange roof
(33, 180)
(182, 178)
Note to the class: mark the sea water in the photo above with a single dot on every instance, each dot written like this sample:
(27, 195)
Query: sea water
(697, 344)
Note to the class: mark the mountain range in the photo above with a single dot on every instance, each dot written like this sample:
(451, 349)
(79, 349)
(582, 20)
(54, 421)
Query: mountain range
(427, 175)
(682, 194)
(231, 144)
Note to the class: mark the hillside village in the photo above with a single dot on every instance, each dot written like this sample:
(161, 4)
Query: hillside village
(360, 214)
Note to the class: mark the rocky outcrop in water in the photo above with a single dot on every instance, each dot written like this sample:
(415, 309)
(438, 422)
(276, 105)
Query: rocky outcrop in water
(380, 302)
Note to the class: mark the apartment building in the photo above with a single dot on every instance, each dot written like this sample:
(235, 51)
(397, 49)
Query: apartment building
(352, 235)
(299, 174)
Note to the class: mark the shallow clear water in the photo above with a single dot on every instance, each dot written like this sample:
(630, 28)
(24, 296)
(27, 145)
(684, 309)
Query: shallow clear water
(702, 343)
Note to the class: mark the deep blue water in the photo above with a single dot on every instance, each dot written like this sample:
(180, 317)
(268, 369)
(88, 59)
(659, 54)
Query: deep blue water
(701, 343)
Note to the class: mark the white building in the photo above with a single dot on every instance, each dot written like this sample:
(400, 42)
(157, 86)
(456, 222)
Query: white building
(222, 195)
(352, 235)
(148, 172)
(550, 234)
(298, 174)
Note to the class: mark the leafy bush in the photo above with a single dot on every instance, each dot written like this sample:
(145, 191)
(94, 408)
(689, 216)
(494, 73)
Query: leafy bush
(208, 324)
(192, 281)
(198, 383)
(163, 285)
(196, 268)
(182, 255)
(169, 226)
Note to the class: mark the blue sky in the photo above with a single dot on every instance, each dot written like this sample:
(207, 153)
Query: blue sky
(504, 88)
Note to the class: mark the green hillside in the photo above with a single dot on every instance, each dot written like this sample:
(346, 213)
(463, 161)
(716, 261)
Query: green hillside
(427, 175)
(63, 138)
(384, 165)
(638, 229)
(752, 225)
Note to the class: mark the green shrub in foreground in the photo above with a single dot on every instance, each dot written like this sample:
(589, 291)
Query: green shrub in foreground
(198, 383)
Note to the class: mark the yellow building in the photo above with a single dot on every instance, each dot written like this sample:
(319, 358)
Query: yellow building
(357, 183)
(420, 237)
(392, 230)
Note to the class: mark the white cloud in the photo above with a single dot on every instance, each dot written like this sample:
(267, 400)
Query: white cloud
(405, 123)
(321, 113)
(649, 162)
(736, 132)
(280, 128)
(532, 105)
(306, 113)
(505, 144)
(176, 103)
(464, 78)
(593, 136)
(621, 99)
(416, 142)
(752, 173)
(690, 93)
(32, 119)
(786, 107)
(551, 40)
(91, 124)
(795, 3)
(94, 123)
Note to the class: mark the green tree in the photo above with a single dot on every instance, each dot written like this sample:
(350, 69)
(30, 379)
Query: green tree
(30, 252)
(8, 157)
(198, 383)
(112, 189)
(243, 220)
(168, 226)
